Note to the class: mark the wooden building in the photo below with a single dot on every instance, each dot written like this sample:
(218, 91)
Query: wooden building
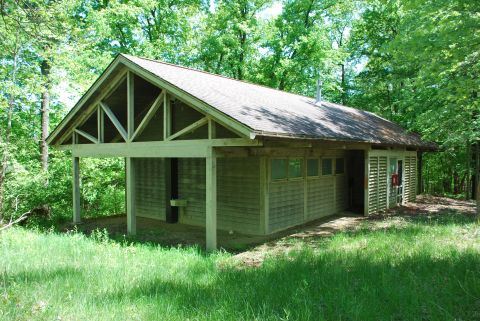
(211, 151)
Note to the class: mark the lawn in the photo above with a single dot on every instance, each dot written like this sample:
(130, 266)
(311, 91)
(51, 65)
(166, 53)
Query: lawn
(415, 267)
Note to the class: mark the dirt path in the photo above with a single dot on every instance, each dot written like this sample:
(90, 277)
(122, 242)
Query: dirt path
(310, 234)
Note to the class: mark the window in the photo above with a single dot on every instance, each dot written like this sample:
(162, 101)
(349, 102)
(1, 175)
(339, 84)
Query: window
(393, 165)
(279, 169)
(327, 166)
(295, 168)
(312, 167)
(339, 166)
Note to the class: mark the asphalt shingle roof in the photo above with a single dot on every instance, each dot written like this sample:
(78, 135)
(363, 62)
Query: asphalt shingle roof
(271, 112)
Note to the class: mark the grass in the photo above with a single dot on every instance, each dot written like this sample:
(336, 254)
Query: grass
(416, 268)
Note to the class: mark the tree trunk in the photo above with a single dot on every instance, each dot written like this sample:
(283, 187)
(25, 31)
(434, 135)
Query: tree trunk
(477, 174)
(344, 89)
(45, 114)
(469, 173)
(8, 132)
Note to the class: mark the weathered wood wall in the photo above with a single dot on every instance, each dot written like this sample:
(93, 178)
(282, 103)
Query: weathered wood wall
(298, 200)
(238, 193)
(150, 187)
(380, 191)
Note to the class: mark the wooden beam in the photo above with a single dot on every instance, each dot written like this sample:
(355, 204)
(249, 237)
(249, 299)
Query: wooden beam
(177, 148)
(188, 129)
(151, 112)
(130, 196)
(74, 138)
(211, 200)
(167, 117)
(130, 105)
(100, 124)
(115, 121)
(76, 190)
(108, 89)
(212, 132)
(192, 101)
(87, 136)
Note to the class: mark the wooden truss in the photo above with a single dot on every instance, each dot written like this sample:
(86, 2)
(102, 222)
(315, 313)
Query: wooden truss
(171, 146)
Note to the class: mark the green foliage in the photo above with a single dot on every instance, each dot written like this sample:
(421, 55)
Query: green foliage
(413, 270)
(414, 62)
(422, 71)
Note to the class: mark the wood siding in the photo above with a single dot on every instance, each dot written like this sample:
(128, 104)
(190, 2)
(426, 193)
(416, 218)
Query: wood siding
(286, 204)
(410, 181)
(238, 193)
(299, 200)
(150, 187)
(379, 179)
(377, 184)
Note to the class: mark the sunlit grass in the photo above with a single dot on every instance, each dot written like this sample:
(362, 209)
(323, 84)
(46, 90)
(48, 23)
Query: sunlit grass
(421, 269)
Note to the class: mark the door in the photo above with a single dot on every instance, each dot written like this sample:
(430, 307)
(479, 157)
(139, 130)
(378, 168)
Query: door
(400, 182)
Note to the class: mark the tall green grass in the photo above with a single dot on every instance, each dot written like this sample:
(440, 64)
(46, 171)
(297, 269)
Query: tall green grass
(419, 269)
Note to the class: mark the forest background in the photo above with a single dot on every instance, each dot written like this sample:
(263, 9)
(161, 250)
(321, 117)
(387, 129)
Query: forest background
(414, 62)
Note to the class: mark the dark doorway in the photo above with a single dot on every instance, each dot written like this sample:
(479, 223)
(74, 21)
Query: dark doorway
(171, 188)
(356, 180)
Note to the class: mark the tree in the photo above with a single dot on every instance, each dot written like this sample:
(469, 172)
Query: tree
(231, 33)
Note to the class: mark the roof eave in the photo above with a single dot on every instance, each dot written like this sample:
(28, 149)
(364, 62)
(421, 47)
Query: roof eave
(426, 146)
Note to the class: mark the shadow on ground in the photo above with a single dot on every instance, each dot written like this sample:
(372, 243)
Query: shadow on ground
(427, 209)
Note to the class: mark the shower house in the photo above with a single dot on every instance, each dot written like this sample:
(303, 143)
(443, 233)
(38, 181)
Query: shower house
(206, 150)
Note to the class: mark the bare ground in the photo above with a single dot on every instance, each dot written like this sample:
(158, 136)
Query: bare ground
(252, 250)
(309, 235)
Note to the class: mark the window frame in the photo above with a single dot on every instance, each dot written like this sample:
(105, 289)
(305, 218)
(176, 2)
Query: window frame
(287, 178)
(271, 169)
(331, 168)
(319, 170)
(302, 170)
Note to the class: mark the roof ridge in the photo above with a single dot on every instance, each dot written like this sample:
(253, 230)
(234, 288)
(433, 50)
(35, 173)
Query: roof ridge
(222, 76)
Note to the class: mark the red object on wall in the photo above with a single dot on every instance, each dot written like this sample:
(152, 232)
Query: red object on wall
(395, 180)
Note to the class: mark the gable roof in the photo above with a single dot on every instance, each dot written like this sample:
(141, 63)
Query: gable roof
(269, 112)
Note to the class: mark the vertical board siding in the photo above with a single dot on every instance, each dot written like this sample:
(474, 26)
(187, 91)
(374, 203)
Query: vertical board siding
(410, 180)
(379, 179)
(191, 187)
(238, 193)
(150, 187)
(320, 201)
(325, 195)
(373, 206)
(286, 204)
(377, 184)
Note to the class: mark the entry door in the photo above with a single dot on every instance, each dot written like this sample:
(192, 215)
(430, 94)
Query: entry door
(400, 181)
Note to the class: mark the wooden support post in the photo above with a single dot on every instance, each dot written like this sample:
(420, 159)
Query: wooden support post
(167, 117)
(130, 197)
(211, 200)
(100, 124)
(130, 105)
(76, 190)
(211, 129)
(264, 206)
